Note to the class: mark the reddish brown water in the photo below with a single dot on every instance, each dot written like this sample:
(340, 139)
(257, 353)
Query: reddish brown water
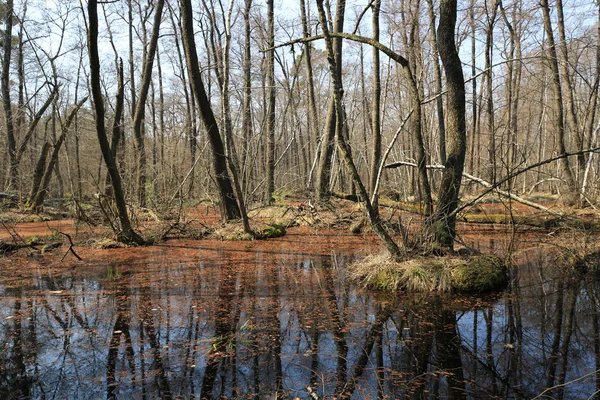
(277, 319)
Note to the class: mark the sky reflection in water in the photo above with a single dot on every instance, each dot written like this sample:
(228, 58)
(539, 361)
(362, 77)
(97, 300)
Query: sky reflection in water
(288, 325)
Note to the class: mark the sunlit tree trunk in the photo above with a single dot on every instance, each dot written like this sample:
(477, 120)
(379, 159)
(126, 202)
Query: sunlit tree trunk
(375, 109)
(571, 195)
(444, 217)
(332, 127)
(140, 109)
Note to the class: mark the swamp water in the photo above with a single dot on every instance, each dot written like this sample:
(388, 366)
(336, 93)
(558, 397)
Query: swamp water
(215, 320)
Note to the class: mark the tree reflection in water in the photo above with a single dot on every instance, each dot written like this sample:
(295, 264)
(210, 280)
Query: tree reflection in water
(287, 326)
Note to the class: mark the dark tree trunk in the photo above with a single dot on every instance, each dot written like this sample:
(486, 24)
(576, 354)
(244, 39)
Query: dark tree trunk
(13, 174)
(229, 207)
(126, 234)
(270, 159)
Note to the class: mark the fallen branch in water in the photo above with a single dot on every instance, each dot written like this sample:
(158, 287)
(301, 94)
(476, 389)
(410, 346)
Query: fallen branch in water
(70, 249)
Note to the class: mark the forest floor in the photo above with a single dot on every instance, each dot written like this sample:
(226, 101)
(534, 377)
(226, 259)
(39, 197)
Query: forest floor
(288, 216)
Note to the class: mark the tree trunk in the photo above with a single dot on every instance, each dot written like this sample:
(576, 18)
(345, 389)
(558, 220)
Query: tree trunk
(270, 158)
(571, 197)
(126, 234)
(331, 126)
(313, 115)
(140, 109)
(229, 207)
(375, 110)
(569, 90)
(247, 100)
(335, 73)
(13, 174)
(38, 173)
(439, 103)
(444, 226)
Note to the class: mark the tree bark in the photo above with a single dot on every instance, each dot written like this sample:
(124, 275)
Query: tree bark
(126, 233)
(444, 221)
(229, 207)
(332, 128)
(571, 197)
(140, 108)
(439, 103)
(270, 158)
(13, 174)
(375, 109)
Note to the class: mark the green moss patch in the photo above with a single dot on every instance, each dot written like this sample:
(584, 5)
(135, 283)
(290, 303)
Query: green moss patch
(271, 231)
(480, 274)
(475, 274)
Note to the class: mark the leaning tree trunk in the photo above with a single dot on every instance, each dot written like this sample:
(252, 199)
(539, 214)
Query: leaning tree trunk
(126, 233)
(41, 184)
(444, 220)
(229, 206)
(335, 73)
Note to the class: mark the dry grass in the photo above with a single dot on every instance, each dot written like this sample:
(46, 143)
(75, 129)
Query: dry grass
(431, 274)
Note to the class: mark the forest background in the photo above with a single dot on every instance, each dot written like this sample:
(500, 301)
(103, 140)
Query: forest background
(278, 102)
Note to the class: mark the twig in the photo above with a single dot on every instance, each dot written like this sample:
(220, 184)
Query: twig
(70, 249)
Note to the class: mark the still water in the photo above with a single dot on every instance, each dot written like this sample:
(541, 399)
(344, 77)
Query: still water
(176, 321)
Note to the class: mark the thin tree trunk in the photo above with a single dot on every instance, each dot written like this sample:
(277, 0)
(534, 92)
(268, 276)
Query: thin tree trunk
(569, 94)
(270, 158)
(375, 110)
(13, 174)
(489, 43)
(345, 154)
(140, 109)
(438, 84)
(313, 115)
(571, 196)
(247, 99)
(332, 128)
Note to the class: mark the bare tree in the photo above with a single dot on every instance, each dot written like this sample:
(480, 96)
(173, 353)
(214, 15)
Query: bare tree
(140, 108)
(444, 219)
(229, 206)
(126, 232)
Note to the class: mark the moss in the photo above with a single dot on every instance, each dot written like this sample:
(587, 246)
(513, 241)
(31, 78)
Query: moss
(480, 274)
(49, 247)
(358, 226)
(35, 240)
(271, 231)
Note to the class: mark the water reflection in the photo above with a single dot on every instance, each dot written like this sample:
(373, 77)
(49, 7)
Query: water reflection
(287, 326)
